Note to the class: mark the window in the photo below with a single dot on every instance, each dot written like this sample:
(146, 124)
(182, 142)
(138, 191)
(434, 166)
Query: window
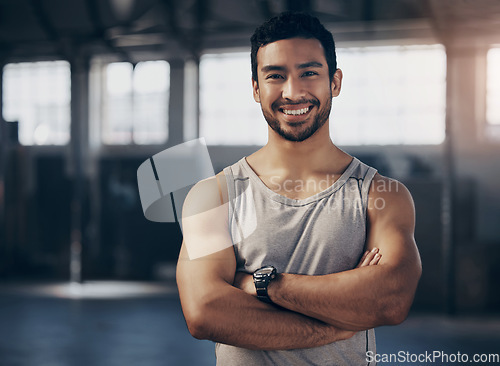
(228, 113)
(493, 87)
(390, 95)
(38, 96)
(133, 104)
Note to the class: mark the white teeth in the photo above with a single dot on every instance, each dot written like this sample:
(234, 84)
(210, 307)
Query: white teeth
(296, 112)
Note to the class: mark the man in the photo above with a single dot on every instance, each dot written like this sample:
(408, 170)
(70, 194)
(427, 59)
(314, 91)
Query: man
(295, 253)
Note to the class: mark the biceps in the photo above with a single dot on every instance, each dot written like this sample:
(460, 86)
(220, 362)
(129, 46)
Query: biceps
(398, 249)
(391, 229)
(201, 278)
(213, 268)
(207, 261)
(207, 253)
(206, 232)
(395, 245)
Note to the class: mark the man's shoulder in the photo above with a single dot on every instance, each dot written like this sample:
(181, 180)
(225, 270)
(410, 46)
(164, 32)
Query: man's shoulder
(207, 194)
(388, 194)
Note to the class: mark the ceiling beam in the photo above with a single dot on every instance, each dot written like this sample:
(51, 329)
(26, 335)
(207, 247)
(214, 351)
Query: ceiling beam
(437, 21)
(100, 29)
(64, 47)
(44, 21)
(201, 15)
(170, 9)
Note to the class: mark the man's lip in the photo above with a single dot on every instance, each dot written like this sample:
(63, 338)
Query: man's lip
(294, 107)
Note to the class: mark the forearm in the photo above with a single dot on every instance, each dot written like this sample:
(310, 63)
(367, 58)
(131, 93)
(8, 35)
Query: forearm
(358, 299)
(236, 318)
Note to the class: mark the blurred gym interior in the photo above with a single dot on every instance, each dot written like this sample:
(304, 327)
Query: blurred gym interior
(92, 88)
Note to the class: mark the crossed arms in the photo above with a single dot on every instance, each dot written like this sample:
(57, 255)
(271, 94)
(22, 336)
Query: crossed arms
(220, 305)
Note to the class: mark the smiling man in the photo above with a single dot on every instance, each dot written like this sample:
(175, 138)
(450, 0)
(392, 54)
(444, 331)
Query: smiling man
(278, 267)
(302, 113)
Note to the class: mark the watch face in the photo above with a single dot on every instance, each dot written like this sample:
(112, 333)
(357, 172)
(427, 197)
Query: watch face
(266, 271)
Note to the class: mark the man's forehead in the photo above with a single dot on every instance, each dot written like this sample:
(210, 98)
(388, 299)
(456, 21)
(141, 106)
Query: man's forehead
(291, 51)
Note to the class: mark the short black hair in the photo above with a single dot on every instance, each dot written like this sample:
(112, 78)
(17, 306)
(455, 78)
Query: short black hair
(291, 25)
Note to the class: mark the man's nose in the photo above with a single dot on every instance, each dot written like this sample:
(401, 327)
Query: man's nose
(293, 89)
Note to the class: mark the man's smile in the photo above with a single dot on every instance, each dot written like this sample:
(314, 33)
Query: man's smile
(297, 112)
(294, 111)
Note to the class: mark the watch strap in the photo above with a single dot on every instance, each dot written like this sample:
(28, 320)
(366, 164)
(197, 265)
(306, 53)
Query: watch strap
(261, 281)
(261, 288)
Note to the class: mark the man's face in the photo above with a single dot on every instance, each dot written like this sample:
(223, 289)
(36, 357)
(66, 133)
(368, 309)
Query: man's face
(294, 88)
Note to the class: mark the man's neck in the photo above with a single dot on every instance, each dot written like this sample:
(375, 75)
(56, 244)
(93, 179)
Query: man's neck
(316, 155)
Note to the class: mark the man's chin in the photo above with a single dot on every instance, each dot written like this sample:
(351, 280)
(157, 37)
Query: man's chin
(296, 131)
(296, 136)
(298, 124)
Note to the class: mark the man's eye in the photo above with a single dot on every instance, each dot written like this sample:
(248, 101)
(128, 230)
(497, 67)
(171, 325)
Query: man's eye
(310, 73)
(274, 76)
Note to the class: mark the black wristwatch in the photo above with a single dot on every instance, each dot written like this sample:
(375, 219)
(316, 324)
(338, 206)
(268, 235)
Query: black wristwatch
(261, 279)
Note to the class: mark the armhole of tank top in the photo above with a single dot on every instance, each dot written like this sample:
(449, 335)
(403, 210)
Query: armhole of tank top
(221, 198)
(365, 188)
(228, 172)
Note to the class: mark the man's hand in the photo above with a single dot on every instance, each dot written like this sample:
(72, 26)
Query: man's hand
(370, 258)
(244, 281)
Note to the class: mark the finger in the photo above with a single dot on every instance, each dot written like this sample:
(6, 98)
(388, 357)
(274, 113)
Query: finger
(360, 263)
(375, 260)
(366, 260)
(367, 257)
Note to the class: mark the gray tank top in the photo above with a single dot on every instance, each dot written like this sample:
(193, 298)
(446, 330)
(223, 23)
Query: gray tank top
(322, 234)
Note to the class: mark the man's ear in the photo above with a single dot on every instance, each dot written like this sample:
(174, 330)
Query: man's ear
(336, 83)
(256, 91)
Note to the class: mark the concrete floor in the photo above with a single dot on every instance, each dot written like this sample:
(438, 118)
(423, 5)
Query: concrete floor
(121, 324)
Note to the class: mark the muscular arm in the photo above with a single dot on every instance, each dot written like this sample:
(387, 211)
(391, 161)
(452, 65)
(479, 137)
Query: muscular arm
(213, 308)
(369, 296)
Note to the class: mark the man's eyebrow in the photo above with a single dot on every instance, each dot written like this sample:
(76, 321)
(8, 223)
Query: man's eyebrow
(305, 65)
(268, 68)
(310, 64)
